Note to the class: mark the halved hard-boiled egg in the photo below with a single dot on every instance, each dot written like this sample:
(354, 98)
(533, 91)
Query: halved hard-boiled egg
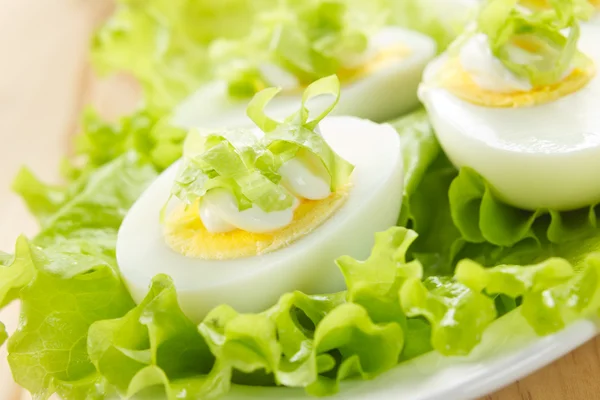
(536, 143)
(258, 213)
(379, 84)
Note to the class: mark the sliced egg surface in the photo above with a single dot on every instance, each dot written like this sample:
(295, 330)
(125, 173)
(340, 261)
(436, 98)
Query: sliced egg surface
(252, 283)
(536, 155)
(379, 85)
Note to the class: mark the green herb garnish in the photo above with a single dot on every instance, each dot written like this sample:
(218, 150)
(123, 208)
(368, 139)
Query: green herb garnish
(532, 43)
(247, 164)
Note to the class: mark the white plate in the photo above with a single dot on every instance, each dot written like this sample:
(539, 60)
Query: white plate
(499, 360)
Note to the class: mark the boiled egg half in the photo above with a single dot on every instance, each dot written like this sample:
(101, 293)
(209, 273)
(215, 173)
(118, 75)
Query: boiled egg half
(217, 254)
(379, 85)
(538, 147)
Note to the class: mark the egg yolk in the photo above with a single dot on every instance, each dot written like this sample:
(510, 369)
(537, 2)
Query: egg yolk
(185, 233)
(459, 82)
(379, 61)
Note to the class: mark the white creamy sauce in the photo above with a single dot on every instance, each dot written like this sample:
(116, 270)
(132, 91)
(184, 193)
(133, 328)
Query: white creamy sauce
(486, 70)
(304, 176)
(224, 215)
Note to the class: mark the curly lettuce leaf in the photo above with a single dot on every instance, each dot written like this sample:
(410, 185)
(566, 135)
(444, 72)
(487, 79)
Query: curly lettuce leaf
(244, 343)
(48, 350)
(303, 341)
(552, 293)
(145, 138)
(17, 273)
(316, 341)
(102, 201)
(386, 292)
(439, 240)
(419, 148)
(367, 349)
(73, 281)
(458, 315)
(428, 175)
(273, 346)
(482, 217)
(149, 134)
(41, 199)
(296, 316)
(327, 343)
(386, 264)
(374, 284)
(168, 41)
(153, 344)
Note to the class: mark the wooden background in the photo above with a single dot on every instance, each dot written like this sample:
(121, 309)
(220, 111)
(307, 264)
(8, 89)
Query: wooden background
(45, 80)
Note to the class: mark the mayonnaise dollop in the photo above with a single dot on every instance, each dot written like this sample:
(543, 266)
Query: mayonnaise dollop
(486, 70)
(220, 213)
(304, 176)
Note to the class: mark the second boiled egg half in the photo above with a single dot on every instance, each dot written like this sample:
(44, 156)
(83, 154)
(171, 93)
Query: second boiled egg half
(538, 147)
(379, 85)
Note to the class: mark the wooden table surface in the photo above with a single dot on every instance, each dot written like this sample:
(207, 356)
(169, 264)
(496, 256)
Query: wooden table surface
(45, 80)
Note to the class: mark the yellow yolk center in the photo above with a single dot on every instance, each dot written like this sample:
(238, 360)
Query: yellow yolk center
(185, 233)
(382, 59)
(379, 61)
(459, 82)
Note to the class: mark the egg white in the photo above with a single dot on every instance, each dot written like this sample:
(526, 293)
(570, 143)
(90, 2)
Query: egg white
(253, 283)
(388, 92)
(545, 156)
